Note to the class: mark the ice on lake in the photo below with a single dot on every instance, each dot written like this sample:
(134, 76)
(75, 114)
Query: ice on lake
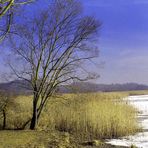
(140, 139)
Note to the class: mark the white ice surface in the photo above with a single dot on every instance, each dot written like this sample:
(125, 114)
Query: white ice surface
(140, 139)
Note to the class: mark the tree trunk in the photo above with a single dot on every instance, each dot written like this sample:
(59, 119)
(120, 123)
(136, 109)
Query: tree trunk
(33, 124)
(4, 119)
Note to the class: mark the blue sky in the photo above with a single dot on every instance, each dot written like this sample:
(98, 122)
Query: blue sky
(123, 39)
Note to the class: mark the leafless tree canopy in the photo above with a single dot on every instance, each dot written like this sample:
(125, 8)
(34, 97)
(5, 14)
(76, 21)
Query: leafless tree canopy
(7, 10)
(51, 48)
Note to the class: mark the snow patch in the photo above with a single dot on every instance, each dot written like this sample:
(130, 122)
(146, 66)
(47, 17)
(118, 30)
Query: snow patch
(140, 139)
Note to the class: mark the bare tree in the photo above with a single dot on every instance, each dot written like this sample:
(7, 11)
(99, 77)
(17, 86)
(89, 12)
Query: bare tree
(3, 106)
(51, 49)
(5, 102)
(7, 10)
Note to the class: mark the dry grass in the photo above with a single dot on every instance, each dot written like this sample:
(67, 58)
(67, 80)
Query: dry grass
(34, 139)
(140, 92)
(93, 116)
(88, 116)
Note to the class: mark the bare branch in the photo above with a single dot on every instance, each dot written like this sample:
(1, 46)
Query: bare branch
(6, 13)
(53, 46)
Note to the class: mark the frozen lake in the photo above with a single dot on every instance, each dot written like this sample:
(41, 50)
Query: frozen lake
(140, 139)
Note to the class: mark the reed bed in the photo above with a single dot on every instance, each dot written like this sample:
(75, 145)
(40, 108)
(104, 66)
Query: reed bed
(95, 115)
(87, 116)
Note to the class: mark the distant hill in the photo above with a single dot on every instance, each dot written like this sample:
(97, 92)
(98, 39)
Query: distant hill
(22, 87)
(16, 87)
(91, 87)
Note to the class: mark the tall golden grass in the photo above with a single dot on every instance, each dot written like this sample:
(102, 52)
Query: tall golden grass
(93, 115)
(88, 116)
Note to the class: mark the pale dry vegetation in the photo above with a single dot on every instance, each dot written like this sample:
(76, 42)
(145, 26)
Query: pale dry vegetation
(88, 116)
(94, 116)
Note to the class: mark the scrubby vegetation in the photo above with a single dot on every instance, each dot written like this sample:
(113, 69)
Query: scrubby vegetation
(85, 116)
